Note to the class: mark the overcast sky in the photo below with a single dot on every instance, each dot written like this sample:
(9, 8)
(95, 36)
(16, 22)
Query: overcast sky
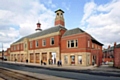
(100, 18)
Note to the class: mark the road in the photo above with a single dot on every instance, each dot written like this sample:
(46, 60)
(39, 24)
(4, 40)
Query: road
(63, 74)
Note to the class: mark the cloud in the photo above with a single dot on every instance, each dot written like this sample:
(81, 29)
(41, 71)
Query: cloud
(18, 18)
(66, 6)
(102, 21)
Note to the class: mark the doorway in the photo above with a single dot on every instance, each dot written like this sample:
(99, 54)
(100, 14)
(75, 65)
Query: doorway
(44, 57)
(72, 60)
(53, 58)
(94, 58)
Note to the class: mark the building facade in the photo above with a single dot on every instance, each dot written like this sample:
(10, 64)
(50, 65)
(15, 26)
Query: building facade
(108, 54)
(117, 55)
(72, 47)
(112, 54)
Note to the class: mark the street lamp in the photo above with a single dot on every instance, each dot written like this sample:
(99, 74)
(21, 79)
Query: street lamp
(2, 55)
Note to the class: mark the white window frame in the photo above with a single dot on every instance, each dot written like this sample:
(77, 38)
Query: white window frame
(43, 42)
(36, 43)
(74, 41)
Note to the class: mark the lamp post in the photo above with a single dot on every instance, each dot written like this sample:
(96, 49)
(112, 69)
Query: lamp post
(2, 55)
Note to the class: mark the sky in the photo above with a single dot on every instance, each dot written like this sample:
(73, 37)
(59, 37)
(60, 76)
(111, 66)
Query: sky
(99, 18)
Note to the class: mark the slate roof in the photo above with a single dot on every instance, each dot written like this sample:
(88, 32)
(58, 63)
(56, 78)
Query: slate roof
(44, 32)
(73, 31)
(117, 46)
(59, 10)
(111, 48)
(78, 31)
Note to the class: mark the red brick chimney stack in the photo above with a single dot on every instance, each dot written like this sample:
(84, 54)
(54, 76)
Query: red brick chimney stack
(115, 44)
(38, 27)
(108, 46)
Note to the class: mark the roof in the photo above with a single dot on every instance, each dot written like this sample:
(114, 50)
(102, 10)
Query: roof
(44, 32)
(117, 46)
(112, 48)
(78, 31)
(59, 10)
(73, 31)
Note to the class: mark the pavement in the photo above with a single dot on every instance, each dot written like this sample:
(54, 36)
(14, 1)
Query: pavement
(103, 70)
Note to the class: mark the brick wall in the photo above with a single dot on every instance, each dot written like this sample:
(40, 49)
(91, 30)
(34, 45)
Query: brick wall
(117, 57)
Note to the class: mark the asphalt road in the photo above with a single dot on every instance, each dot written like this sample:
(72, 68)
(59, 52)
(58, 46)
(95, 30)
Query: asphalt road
(63, 74)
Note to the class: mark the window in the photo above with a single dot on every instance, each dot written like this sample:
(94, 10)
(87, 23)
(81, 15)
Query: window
(31, 44)
(72, 43)
(52, 41)
(14, 47)
(92, 45)
(21, 46)
(68, 44)
(72, 59)
(66, 59)
(76, 43)
(79, 59)
(18, 47)
(43, 42)
(88, 43)
(37, 44)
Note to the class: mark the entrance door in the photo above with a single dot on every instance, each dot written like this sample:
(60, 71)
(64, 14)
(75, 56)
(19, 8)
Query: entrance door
(37, 58)
(31, 58)
(44, 57)
(72, 59)
(94, 60)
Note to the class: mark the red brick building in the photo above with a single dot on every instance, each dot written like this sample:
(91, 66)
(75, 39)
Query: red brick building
(112, 54)
(108, 54)
(72, 47)
(117, 55)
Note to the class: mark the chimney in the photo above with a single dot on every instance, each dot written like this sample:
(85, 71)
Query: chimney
(108, 46)
(38, 27)
(115, 44)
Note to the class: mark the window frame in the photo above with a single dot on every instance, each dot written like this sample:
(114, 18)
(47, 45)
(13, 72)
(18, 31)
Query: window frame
(43, 41)
(51, 41)
(74, 41)
(36, 43)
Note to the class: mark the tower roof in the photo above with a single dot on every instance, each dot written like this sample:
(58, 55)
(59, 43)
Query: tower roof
(59, 10)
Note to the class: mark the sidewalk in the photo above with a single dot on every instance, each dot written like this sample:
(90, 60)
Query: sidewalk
(102, 70)
(55, 66)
